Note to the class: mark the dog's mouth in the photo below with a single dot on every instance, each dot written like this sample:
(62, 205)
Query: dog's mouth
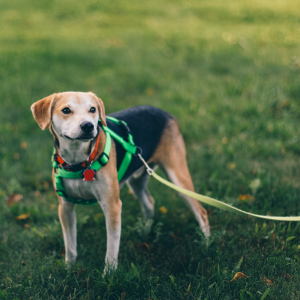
(86, 137)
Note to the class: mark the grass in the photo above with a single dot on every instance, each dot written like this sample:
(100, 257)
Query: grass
(229, 72)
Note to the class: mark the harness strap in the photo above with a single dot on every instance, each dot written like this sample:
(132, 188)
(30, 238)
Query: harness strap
(103, 159)
(129, 146)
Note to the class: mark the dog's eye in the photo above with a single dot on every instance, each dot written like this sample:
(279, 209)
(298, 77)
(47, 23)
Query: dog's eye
(66, 110)
(93, 109)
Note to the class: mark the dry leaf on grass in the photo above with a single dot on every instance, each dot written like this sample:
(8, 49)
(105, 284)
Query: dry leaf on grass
(239, 275)
(163, 210)
(287, 276)
(80, 271)
(23, 217)
(246, 197)
(273, 236)
(268, 282)
(46, 185)
(13, 198)
(231, 165)
(144, 245)
(123, 296)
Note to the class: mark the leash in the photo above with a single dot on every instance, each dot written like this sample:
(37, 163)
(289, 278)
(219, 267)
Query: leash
(90, 169)
(211, 201)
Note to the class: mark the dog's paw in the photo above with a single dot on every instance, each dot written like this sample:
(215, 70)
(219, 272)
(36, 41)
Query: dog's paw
(111, 265)
(70, 264)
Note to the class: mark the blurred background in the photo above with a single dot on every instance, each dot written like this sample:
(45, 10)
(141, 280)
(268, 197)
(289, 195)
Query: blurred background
(227, 70)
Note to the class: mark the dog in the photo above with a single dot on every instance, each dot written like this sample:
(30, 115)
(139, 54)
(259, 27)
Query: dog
(72, 118)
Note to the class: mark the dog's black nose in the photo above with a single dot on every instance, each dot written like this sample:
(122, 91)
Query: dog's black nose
(87, 127)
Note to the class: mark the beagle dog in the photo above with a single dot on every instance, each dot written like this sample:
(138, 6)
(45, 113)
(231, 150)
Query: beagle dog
(72, 118)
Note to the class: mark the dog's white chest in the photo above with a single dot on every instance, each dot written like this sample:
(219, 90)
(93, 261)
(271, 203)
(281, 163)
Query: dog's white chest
(95, 189)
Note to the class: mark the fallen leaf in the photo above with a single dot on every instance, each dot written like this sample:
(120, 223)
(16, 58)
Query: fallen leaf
(188, 290)
(37, 193)
(46, 185)
(27, 226)
(23, 145)
(287, 276)
(150, 91)
(270, 128)
(246, 197)
(163, 210)
(23, 217)
(80, 271)
(13, 198)
(231, 166)
(144, 245)
(273, 237)
(268, 282)
(16, 156)
(225, 140)
(238, 275)
(123, 295)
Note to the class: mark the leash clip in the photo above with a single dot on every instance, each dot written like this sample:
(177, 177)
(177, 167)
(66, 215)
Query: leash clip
(149, 170)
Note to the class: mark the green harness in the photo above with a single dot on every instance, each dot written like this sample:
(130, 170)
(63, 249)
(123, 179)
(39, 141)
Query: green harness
(129, 146)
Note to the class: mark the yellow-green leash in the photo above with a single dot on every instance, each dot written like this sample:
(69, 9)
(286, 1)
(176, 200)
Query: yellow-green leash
(211, 201)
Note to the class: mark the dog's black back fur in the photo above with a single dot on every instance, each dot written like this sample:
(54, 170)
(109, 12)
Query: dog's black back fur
(147, 124)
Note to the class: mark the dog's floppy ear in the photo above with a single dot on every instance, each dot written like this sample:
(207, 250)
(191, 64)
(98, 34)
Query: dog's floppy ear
(101, 110)
(41, 111)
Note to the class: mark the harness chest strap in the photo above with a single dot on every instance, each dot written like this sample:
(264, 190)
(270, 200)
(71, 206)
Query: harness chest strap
(103, 159)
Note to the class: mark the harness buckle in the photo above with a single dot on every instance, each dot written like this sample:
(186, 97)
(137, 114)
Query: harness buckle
(100, 159)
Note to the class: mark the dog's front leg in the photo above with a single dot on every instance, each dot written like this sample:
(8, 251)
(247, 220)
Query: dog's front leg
(112, 211)
(67, 216)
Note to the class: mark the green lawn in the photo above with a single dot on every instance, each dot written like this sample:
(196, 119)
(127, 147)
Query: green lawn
(229, 72)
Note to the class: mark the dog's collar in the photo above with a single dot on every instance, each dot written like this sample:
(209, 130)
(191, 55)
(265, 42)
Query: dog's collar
(80, 166)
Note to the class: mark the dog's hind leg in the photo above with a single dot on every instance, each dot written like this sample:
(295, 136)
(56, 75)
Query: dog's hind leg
(171, 156)
(138, 183)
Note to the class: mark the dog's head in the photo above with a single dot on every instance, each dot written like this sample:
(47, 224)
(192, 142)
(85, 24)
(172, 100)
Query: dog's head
(73, 115)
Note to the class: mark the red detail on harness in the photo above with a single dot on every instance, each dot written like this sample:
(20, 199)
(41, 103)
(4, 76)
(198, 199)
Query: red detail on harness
(88, 175)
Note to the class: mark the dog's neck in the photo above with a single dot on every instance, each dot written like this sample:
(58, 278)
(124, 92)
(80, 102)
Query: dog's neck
(74, 151)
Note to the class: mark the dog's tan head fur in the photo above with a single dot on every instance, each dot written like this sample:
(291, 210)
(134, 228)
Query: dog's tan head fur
(68, 111)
